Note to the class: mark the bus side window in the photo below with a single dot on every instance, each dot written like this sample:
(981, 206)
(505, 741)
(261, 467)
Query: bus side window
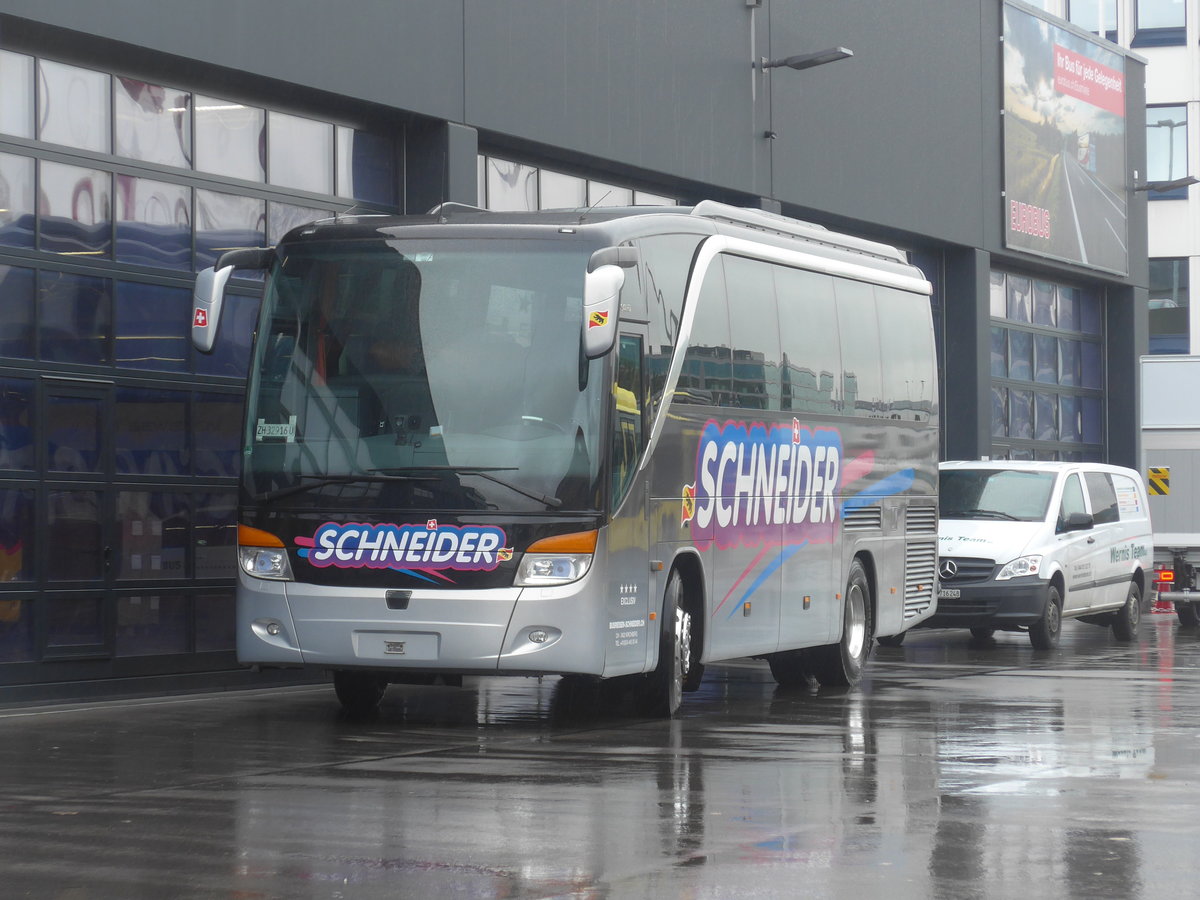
(627, 417)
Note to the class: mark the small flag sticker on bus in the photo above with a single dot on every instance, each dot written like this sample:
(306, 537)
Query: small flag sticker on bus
(598, 320)
(201, 319)
(689, 503)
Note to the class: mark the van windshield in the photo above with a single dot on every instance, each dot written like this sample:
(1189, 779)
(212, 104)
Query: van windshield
(995, 494)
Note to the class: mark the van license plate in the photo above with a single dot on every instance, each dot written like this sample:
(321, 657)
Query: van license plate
(949, 594)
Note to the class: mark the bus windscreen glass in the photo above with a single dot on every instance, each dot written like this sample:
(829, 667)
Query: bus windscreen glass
(426, 374)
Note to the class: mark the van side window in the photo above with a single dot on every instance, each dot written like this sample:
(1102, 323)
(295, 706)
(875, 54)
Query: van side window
(1104, 498)
(1072, 500)
(1129, 498)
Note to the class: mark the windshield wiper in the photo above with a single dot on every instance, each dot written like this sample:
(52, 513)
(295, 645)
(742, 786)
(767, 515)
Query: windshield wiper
(325, 480)
(483, 472)
(981, 514)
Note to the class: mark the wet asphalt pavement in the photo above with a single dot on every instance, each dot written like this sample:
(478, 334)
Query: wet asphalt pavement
(957, 770)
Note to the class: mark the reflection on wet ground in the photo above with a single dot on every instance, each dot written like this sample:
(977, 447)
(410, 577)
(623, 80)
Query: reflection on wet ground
(957, 770)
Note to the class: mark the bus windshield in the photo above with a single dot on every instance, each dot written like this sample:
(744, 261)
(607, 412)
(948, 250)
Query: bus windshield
(434, 374)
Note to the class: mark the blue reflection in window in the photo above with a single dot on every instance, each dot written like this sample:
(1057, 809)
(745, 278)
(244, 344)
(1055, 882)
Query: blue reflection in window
(999, 353)
(1045, 417)
(1020, 355)
(1046, 354)
(153, 326)
(216, 431)
(76, 210)
(151, 432)
(366, 167)
(1068, 362)
(17, 221)
(74, 318)
(231, 350)
(154, 223)
(1020, 414)
(1018, 299)
(226, 221)
(1092, 365)
(1091, 420)
(214, 525)
(1089, 314)
(1069, 427)
(999, 412)
(16, 312)
(16, 429)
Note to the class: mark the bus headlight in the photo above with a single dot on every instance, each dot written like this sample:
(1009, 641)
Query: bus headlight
(265, 562)
(263, 555)
(1020, 567)
(552, 568)
(557, 560)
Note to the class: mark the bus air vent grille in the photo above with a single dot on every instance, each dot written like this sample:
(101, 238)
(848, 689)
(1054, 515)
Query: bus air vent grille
(920, 563)
(863, 519)
(921, 520)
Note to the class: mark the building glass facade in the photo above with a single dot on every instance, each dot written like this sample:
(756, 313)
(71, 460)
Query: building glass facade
(118, 441)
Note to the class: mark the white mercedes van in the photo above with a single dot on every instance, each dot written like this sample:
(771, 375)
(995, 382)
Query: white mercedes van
(1022, 545)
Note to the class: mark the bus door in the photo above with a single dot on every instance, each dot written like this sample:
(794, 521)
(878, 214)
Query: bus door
(631, 591)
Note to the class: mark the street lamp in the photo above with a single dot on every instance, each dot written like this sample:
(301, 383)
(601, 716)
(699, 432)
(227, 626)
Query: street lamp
(1160, 187)
(805, 60)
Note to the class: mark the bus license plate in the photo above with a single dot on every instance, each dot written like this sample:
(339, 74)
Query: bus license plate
(949, 594)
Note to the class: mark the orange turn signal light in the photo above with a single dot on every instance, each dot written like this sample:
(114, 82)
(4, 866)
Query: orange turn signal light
(256, 537)
(575, 542)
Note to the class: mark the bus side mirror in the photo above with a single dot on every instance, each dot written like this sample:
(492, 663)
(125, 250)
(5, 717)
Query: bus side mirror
(600, 291)
(209, 291)
(207, 298)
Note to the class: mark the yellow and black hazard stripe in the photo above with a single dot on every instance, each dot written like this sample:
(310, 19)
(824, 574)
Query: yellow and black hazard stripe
(1158, 480)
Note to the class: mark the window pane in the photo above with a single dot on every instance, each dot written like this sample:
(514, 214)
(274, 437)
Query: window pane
(1020, 414)
(16, 540)
(858, 329)
(1046, 356)
(642, 198)
(16, 201)
(154, 223)
(151, 432)
(73, 520)
(74, 433)
(601, 194)
(1043, 304)
(999, 352)
(16, 94)
(1160, 14)
(283, 217)
(74, 622)
(1089, 313)
(1166, 143)
(214, 622)
(1092, 419)
(1018, 299)
(226, 221)
(1020, 355)
(1068, 307)
(17, 642)
(152, 327)
(1046, 417)
(16, 312)
(999, 411)
(1068, 359)
(229, 139)
(154, 534)
(366, 167)
(216, 430)
(511, 187)
(301, 153)
(231, 353)
(76, 208)
(1092, 366)
(562, 191)
(215, 535)
(807, 325)
(154, 123)
(151, 625)
(1069, 426)
(1094, 15)
(997, 296)
(16, 427)
(754, 334)
(73, 318)
(73, 106)
(707, 375)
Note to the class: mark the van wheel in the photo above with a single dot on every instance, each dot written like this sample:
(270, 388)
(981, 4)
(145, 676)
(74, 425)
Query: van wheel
(1043, 633)
(660, 693)
(1125, 622)
(359, 692)
(1188, 614)
(842, 663)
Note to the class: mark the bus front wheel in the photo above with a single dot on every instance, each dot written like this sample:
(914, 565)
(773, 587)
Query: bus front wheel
(660, 693)
(842, 663)
(359, 692)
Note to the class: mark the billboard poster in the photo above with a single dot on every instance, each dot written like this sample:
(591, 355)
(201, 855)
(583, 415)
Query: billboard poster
(1064, 144)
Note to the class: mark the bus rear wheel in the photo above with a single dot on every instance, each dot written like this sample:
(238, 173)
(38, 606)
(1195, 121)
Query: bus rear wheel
(359, 692)
(843, 663)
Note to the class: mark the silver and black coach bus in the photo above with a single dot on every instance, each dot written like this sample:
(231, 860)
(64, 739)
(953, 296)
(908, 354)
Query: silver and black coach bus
(619, 443)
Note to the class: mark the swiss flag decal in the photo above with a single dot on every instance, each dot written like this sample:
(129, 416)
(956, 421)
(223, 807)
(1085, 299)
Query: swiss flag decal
(200, 320)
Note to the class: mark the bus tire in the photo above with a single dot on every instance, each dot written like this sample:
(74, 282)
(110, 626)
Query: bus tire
(843, 663)
(1125, 622)
(791, 668)
(661, 692)
(359, 693)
